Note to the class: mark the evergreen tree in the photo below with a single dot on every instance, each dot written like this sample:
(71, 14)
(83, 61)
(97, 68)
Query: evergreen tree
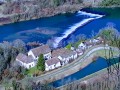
(41, 63)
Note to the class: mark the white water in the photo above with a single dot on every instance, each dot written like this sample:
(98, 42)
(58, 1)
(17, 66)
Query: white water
(90, 14)
(74, 27)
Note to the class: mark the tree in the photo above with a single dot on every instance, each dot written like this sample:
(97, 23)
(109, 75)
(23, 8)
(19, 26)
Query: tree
(113, 36)
(41, 63)
(56, 2)
(14, 84)
(20, 45)
(110, 2)
(69, 46)
(80, 1)
(109, 34)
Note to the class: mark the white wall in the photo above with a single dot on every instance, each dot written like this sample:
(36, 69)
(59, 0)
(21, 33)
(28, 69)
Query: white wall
(47, 55)
(47, 68)
(32, 64)
(67, 59)
(58, 64)
(31, 53)
(82, 46)
(26, 65)
(75, 56)
(64, 60)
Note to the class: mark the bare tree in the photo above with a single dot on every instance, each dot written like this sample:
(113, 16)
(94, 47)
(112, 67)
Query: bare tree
(114, 62)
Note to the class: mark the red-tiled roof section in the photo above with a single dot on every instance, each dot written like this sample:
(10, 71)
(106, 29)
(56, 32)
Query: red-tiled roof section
(52, 61)
(41, 50)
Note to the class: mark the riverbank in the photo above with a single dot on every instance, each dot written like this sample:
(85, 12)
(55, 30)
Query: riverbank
(69, 69)
(31, 10)
(45, 12)
(99, 77)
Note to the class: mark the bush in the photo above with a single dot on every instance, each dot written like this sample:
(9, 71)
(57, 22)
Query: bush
(20, 76)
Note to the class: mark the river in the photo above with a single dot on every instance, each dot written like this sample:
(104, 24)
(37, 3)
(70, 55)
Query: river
(63, 26)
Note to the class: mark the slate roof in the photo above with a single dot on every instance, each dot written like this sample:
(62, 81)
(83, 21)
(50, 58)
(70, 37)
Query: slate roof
(63, 53)
(41, 50)
(88, 43)
(25, 59)
(52, 61)
(57, 52)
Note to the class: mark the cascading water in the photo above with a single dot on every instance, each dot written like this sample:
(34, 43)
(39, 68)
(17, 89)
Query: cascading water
(74, 27)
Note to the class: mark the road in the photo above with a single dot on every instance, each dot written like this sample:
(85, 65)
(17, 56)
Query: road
(60, 71)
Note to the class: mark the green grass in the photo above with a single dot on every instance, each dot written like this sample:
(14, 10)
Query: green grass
(107, 53)
(69, 46)
(32, 70)
(77, 44)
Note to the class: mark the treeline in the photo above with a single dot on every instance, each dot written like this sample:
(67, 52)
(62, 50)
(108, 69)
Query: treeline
(60, 2)
(110, 3)
(26, 10)
(30, 86)
(8, 53)
(110, 34)
(32, 9)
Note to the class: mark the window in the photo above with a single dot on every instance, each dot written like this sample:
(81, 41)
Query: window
(36, 57)
(29, 66)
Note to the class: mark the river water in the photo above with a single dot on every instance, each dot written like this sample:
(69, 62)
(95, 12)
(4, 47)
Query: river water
(62, 26)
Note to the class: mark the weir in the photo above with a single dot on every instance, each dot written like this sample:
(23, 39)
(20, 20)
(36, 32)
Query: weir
(73, 28)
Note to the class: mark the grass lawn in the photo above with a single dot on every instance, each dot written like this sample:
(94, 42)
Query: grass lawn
(107, 53)
(32, 70)
(77, 44)
(68, 46)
